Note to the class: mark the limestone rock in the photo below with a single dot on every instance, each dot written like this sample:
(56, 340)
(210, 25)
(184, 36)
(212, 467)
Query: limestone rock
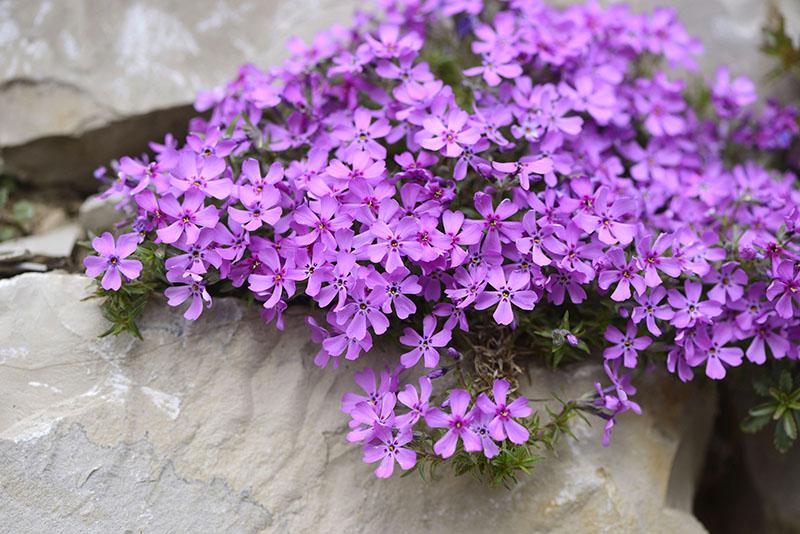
(80, 85)
(56, 243)
(98, 214)
(226, 424)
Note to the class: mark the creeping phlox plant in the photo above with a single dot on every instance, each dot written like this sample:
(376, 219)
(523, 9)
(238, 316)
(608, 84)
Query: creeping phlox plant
(484, 183)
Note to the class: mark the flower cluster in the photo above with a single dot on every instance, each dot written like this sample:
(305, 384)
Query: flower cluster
(385, 435)
(436, 166)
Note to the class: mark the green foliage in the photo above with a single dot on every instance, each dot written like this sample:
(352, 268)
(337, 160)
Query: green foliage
(123, 308)
(777, 43)
(561, 350)
(16, 216)
(782, 406)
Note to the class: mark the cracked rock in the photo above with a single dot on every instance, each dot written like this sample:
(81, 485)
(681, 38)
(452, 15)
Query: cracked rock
(225, 425)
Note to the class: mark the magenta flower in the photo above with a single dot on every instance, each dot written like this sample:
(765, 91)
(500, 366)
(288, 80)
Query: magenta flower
(727, 282)
(202, 177)
(536, 239)
(362, 135)
(426, 346)
(689, 309)
(624, 273)
(457, 424)
(396, 286)
(494, 67)
(322, 218)
(368, 418)
(625, 345)
(729, 96)
(260, 208)
(506, 293)
(417, 403)
(389, 449)
(280, 277)
(450, 139)
(498, 229)
(714, 353)
(459, 232)
(373, 389)
(390, 44)
(187, 286)
(502, 423)
(765, 336)
(786, 285)
(394, 243)
(652, 259)
(524, 168)
(362, 309)
(480, 425)
(650, 309)
(593, 96)
(189, 217)
(606, 219)
(111, 260)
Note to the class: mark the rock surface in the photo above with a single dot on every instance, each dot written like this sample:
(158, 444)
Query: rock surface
(225, 425)
(80, 85)
(56, 243)
(776, 478)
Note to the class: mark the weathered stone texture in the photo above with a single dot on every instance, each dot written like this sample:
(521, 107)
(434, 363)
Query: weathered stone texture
(226, 423)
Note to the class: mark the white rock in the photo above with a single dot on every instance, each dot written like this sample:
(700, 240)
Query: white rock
(99, 214)
(226, 425)
(57, 243)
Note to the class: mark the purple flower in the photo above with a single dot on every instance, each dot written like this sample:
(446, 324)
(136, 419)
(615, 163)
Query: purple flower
(396, 286)
(652, 259)
(189, 217)
(260, 208)
(426, 346)
(506, 292)
(185, 286)
(374, 390)
(786, 286)
(279, 277)
(615, 398)
(729, 96)
(536, 239)
(457, 424)
(498, 229)
(625, 274)
(201, 177)
(322, 218)
(606, 219)
(363, 134)
(451, 138)
(727, 282)
(689, 309)
(111, 260)
(649, 309)
(502, 423)
(417, 403)
(480, 425)
(714, 353)
(389, 449)
(362, 309)
(394, 243)
(494, 67)
(625, 345)
(764, 335)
